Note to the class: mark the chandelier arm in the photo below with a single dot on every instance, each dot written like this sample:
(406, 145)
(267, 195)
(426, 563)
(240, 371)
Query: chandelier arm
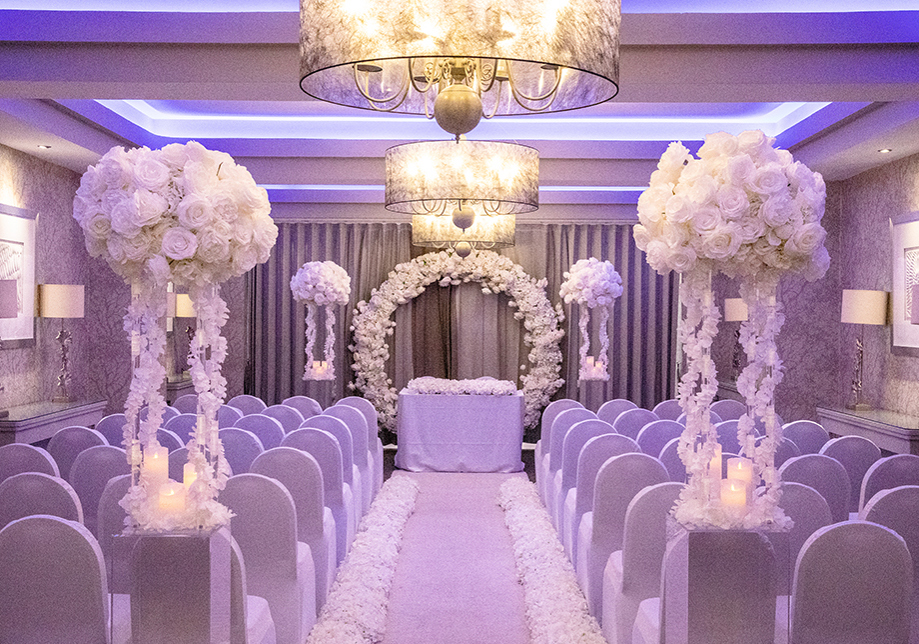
(491, 81)
(375, 102)
(548, 96)
(497, 102)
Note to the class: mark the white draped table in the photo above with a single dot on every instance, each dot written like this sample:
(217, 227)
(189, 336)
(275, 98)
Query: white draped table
(460, 433)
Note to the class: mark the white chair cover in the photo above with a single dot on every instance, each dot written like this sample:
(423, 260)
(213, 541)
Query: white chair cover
(240, 448)
(182, 425)
(170, 412)
(17, 458)
(715, 418)
(670, 457)
(888, 472)
(110, 522)
(299, 472)
(177, 461)
(552, 457)
(23, 495)
(304, 404)
(356, 422)
(633, 574)
(653, 436)
(247, 404)
(374, 444)
(52, 583)
(187, 404)
(650, 615)
(856, 454)
(67, 443)
(90, 474)
(567, 477)
(729, 409)
(824, 474)
(807, 435)
(278, 568)
(630, 422)
(544, 443)
(338, 497)
(289, 417)
(727, 436)
(809, 511)
(227, 416)
(852, 585)
(169, 439)
(112, 427)
(269, 430)
(250, 615)
(785, 450)
(351, 474)
(669, 409)
(610, 410)
(601, 529)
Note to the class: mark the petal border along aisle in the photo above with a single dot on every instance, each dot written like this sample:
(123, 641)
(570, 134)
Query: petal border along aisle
(556, 610)
(355, 611)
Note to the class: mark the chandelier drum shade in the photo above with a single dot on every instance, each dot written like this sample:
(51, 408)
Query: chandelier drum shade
(486, 233)
(519, 56)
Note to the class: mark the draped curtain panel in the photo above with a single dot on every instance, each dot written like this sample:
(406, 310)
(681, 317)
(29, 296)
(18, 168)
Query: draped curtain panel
(458, 331)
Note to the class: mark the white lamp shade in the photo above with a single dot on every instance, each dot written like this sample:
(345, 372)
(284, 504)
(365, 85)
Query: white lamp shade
(864, 307)
(60, 300)
(735, 310)
(914, 305)
(9, 299)
(185, 308)
(488, 231)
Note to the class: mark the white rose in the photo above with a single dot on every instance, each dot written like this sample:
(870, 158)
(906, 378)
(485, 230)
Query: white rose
(114, 169)
(806, 239)
(174, 155)
(739, 170)
(673, 160)
(98, 226)
(244, 259)
(199, 177)
(124, 217)
(158, 267)
(651, 204)
(264, 236)
(225, 207)
(705, 219)
(214, 243)
(678, 209)
(675, 234)
(195, 211)
(751, 228)
(776, 210)
(115, 248)
(691, 173)
(150, 207)
(723, 242)
(718, 144)
(682, 258)
(179, 243)
(150, 173)
(770, 179)
(657, 255)
(733, 202)
(753, 142)
(641, 235)
(702, 190)
(818, 266)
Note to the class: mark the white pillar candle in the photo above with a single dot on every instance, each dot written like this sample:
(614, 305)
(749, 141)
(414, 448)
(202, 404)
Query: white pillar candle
(189, 475)
(172, 498)
(135, 344)
(590, 362)
(734, 494)
(156, 465)
(741, 469)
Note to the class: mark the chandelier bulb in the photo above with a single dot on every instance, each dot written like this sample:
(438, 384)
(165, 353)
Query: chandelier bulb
(463, 249)
(463, 217)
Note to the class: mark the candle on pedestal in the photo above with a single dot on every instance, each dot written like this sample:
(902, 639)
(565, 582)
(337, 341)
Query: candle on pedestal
(172, 498)
(156, 465)
(189, 475)
(734, 495)
(741, 469)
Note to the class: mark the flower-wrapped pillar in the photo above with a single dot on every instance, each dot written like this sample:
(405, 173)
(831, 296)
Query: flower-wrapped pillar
(320, 285)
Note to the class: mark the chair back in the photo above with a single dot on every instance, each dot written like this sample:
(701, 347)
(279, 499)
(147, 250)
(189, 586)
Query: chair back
(324, 447)
(112, 427)
(856, 454)
(269, 430)
(653, 436)
(853, 582)
(594, 454)
(182, 425)
(785, 450)
(809, 511)
(67, 443)
(564, 421)
(549, 414)
(247, 404)
(727, 436)
(110, 522)
(365, 407)
(289, 417)
(575, 440)
(187, 404)
(89, 475)
(888, 472)
(227, 416)
(16, 458)
(177, 460)
(670, 457)
(169, 439)
(304, 404)
(170, 412)
(630, 422)
(29, 493)
(729, 409)
(807, 435)
(644, 538)
(337, 428)
(715, 418)
(824, 474)
(610, 410)
(669, 409)
(240, 448)
(299, 472)
(355, 421)
(898, 509)
(239, 597)
(52, 583)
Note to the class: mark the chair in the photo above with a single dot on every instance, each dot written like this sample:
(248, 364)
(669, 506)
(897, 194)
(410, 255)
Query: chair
(168, 412)
(896, 508)
(630, 422)
(227, 416)
(544, 444)
(351, 473)
(727, 436)
(250, 615)
(278, 567)
(809, 511)
(807, 435)
(856, 454)
(52, 583)
(715, 418)
(247, 404)
(168, 439)
(269, 430)
(633, 574)
(177, 461)
(358, 425)
(670, 457)
(824, 474)
(187, 404)
(112, 427)
(889, 472)
(338, 496)
(653, 436)
(785, 450)
(646, 628)
(289, 417)
(30, 493)
(375, 445)
(600, 532)
(89, 475)
(852, 584)
(553, 457)
(240, 448)
(182, 426)
(611, 409)
(567, 476)
(669, 409)
(304, 404)
(729, 409)
(17, 458)
(299, 472)
(110, 521)
(67, 443)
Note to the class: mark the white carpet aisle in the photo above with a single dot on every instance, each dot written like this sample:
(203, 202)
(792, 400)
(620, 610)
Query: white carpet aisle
(455, 580)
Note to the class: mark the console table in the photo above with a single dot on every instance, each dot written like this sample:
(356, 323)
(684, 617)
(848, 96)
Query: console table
(37, 421)
(898, 433)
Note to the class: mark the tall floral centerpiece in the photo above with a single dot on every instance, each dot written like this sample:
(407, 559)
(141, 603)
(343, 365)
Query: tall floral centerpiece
(750, 211)
(320, 284)
(592, 284)
(191, 216)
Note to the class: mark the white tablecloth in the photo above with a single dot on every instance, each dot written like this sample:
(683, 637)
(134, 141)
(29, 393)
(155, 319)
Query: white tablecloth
(444, 433)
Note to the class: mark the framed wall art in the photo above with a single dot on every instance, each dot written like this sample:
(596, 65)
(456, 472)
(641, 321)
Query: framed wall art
(905, 280)
(17, 262)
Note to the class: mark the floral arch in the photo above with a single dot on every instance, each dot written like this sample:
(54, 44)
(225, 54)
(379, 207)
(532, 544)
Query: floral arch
(372, 324)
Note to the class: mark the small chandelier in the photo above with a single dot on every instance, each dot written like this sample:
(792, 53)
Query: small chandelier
(496, 59)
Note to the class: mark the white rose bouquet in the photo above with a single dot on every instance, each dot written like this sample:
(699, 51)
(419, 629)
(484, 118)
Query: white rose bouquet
(320, 284)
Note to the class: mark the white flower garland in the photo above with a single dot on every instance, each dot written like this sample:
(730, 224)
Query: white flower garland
(322, 284)
(556, 610)
(355, 610)
(592, 284)
(497, 274)
(434, 386)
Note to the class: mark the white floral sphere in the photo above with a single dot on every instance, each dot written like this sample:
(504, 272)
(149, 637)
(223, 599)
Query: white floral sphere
(592, 283)
(322, 283)
(182, 213)
(742, 207)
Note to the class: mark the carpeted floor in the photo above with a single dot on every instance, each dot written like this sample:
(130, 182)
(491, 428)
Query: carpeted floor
(456, 581)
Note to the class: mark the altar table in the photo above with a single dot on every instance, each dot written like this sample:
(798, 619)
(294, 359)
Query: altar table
(460, 433)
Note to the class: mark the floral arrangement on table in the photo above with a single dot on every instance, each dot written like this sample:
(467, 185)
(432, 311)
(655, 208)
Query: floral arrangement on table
(479, 387)
(355, 610)
(750, 211)
(592, 284)
(194, 217)
(556, 610)
(372, 324)
(320, 284)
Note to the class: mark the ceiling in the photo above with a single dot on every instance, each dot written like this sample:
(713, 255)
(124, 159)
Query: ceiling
(834, 81)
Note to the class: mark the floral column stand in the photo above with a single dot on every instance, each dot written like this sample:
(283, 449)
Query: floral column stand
(320, 284)
(592, 284)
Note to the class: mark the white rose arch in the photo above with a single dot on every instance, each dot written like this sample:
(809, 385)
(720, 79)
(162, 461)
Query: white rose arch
(497, 274)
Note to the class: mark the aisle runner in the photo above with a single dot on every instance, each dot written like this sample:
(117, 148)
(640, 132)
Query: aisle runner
(456, 580)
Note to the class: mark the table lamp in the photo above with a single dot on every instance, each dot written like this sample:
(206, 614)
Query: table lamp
(862, 307)
(735, 310)
(61, 301)
(9, 308)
